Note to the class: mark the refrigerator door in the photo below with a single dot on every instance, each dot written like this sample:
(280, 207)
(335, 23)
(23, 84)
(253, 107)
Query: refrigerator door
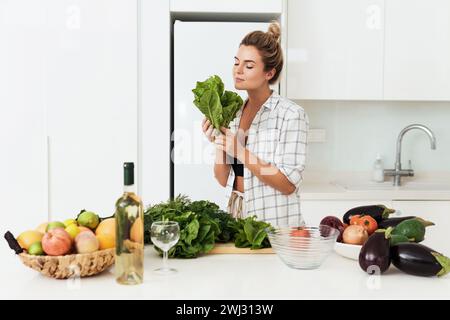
(201, 49)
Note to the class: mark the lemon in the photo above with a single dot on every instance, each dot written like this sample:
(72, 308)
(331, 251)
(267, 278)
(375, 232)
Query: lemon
(42, 227)
(72, 230)
(68, 222)
(27, 238)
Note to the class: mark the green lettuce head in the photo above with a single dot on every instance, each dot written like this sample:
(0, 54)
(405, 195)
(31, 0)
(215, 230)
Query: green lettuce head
(219, 106)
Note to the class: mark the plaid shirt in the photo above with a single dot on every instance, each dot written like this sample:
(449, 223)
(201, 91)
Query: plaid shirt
(277, 135)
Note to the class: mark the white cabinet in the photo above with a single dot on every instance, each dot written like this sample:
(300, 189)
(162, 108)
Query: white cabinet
(91, 96)
(226, 6)
(314, 211)
(417, 50)
(335, 49)
(23, 143)
(438, 212)
(69, 106)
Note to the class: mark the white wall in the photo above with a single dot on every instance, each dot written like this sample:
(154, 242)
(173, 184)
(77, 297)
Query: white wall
(356, 131)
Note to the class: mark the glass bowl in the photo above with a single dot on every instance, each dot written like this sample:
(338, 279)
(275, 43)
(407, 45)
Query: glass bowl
(303, 247)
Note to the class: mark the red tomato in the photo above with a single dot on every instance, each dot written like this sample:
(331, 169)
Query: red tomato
(300, 232)
(369, 223)
(354, 219)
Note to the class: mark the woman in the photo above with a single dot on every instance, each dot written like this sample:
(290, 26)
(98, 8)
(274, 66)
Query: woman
(266, 143)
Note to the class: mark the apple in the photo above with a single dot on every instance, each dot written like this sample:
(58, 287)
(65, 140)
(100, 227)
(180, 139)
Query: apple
(86, 242)
(56, 242)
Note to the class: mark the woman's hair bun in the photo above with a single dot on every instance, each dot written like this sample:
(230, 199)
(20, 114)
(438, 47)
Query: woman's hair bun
(274, 30)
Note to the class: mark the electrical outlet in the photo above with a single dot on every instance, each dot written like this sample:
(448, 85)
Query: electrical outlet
(317, 135)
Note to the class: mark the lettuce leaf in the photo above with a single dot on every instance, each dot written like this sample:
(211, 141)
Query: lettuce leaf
(219, 107)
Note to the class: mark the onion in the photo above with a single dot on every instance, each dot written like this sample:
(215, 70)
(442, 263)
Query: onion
(355, 234)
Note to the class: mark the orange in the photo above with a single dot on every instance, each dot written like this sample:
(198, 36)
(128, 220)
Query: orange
(137, 231)
(106, 233)
(106, 241)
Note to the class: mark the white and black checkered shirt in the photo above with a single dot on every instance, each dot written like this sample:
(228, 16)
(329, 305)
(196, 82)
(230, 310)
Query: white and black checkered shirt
(277, 135)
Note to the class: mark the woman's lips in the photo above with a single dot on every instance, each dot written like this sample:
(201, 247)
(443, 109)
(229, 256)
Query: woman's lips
(239, 80)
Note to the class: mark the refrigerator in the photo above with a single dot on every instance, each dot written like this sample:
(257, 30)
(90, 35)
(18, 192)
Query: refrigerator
(201, 49)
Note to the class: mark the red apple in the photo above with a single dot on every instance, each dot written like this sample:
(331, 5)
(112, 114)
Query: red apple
(56, 242)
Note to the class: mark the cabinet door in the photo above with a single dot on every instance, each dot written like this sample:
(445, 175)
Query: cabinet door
(92, 102)
(314, 211)
(438, 212)
(417, 50)
(22, 122)
(335, 49)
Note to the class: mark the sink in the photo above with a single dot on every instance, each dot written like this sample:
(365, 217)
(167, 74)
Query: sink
(387, 185)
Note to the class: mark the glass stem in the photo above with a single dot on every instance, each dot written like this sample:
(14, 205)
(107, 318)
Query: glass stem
(165, 257)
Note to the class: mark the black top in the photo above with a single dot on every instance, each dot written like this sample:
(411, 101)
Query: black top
(238, 168)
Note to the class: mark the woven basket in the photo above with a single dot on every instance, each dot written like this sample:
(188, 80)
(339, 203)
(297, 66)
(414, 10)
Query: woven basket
(72, 265)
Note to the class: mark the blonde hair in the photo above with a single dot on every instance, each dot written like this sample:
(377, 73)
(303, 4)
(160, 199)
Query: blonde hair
(269, 47)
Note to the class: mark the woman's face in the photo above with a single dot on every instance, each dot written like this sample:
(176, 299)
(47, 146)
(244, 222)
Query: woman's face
(248, 69)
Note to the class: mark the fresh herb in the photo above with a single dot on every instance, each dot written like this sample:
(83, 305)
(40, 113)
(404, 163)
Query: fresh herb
(219, 106)
(202, 224)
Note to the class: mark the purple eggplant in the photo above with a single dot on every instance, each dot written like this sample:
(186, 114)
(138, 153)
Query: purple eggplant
(419, 260)
(375, 253)
(393, 222)
(378, 212)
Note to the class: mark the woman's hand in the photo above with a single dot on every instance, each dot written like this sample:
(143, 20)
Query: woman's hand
(208, 129)
(229, 143)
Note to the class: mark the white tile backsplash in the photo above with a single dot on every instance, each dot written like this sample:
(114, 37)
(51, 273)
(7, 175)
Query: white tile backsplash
(358, 130)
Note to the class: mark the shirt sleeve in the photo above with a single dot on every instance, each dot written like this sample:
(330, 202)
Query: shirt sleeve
(290, 153)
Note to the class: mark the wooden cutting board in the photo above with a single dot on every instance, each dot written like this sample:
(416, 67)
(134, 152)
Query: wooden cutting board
(229, 248)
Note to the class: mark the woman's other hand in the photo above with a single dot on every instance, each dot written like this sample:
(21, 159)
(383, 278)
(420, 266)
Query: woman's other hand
(229, 143)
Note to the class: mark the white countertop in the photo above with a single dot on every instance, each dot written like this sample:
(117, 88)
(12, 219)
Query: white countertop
(251, 276)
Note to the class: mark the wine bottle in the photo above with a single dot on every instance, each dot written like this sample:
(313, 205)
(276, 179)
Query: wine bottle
(129, 215)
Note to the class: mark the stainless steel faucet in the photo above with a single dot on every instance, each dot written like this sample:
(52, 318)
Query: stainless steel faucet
(397, 173)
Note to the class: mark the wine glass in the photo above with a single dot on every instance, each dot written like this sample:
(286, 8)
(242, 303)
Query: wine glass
(164, 235)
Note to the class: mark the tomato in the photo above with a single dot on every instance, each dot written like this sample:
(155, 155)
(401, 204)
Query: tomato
(300, 232)
(299, 238)
(369, 223)
(354, 219)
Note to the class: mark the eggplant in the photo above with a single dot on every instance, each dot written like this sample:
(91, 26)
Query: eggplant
(419, 260)
(375, 252)
(393, 222)
(379, 212)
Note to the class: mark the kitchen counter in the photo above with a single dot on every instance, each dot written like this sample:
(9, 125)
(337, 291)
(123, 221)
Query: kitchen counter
(251, 276)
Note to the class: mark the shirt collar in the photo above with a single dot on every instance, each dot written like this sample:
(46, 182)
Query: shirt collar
(270, 103)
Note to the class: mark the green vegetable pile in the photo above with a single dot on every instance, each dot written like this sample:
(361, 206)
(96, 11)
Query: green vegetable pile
(202, 224)
(219, 106)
